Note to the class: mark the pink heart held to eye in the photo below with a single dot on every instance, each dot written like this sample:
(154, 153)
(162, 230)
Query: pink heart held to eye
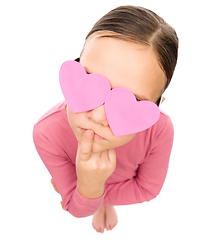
(84, 92)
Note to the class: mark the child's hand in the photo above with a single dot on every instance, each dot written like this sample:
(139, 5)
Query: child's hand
(57, 192)
(54, 186)
(93, 169)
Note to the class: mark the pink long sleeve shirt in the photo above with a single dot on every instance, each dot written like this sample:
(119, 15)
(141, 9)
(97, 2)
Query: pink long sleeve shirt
(141, 164)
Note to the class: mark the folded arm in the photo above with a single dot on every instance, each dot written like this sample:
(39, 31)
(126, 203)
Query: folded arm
(144, 187)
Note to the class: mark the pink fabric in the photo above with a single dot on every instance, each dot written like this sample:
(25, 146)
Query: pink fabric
(141, 166)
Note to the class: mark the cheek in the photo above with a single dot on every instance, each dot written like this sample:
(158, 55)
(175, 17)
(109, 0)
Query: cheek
(122, 140)
(72, 118)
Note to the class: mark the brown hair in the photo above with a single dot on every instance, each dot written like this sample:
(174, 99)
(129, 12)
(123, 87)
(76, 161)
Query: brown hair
(141, 25)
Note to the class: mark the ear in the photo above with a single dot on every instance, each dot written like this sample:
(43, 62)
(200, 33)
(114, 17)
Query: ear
(163, 99)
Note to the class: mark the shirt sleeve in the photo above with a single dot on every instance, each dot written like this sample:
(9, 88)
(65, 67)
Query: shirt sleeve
(151, 173)
(63, 173)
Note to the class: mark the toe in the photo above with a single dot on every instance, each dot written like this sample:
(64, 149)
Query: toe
(101, 230)
(108, 228)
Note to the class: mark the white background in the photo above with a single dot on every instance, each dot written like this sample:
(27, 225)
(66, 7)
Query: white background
(36, 38)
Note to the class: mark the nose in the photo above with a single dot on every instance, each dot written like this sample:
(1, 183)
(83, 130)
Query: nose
(98, 115)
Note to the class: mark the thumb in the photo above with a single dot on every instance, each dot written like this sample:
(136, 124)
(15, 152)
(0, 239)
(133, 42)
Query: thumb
(85, 147)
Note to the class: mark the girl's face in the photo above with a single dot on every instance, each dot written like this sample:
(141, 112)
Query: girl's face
(125, 64)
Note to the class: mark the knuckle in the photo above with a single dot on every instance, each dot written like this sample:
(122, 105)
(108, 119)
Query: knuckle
(84, 153)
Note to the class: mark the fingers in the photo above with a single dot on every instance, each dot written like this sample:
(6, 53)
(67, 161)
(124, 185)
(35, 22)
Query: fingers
(62, 205)
(54, 185)
(109, 157)
(85, 147)
(57, 192)
(112, 157)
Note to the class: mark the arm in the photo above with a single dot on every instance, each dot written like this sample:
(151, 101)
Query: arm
(63, 172)
(82, 186)
(93, 168)
(150, 176)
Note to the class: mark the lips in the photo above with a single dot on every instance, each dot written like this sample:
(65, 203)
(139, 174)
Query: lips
(95, 134)
(98, 137)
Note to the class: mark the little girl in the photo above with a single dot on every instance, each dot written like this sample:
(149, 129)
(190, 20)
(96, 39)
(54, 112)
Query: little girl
(94, 167)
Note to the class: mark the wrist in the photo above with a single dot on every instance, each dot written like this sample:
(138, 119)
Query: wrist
(90, 192)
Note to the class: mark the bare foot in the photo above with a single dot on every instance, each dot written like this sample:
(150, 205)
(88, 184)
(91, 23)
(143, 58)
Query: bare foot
(98, 222)
(111, 219)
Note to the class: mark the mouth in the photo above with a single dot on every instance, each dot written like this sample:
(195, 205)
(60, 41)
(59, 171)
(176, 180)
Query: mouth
(95, 134)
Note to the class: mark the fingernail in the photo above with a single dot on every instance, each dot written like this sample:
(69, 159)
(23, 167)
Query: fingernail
(89, 134)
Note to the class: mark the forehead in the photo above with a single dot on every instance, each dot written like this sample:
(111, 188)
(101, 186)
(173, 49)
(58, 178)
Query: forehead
(125, 64)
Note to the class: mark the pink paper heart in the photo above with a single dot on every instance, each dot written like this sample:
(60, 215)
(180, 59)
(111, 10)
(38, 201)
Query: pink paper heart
(125, 115)
(82, 91)
(85, 92)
